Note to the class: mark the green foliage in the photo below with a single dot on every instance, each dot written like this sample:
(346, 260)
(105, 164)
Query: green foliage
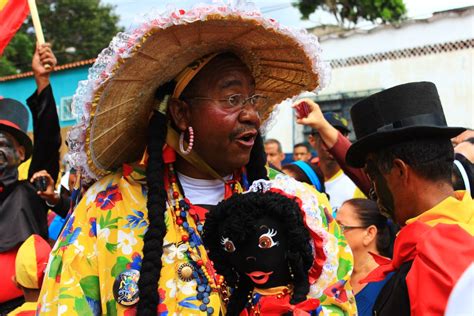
(353, 11)
(17, 55)
(85, 25)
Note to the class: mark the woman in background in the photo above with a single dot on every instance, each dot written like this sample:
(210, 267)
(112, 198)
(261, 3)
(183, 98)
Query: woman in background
(367, 231)
(305, 172)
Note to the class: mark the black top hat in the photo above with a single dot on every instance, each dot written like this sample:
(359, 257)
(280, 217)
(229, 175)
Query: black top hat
(406, 112)
(14, 120)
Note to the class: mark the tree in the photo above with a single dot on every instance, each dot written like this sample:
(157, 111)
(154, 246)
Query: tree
(350, 12)
(77, 29)
(20, 50)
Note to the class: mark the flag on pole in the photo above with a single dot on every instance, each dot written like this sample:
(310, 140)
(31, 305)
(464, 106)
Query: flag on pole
(12, 14)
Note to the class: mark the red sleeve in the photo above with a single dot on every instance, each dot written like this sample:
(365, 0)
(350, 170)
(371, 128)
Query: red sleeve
(444, 254)
(357, 175)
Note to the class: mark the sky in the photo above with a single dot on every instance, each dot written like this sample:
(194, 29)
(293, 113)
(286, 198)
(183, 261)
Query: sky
(130, 11)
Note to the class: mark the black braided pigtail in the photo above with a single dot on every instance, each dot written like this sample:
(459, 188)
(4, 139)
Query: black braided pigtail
(239, 297)
(156, 204)
(256, 167)
(300, 277)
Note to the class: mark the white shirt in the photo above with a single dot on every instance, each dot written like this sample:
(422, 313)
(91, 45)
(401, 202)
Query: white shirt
(460, 300)
(340, 189)
(203, 192)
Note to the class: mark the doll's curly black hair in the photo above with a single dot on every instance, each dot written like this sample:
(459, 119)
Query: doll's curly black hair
(236, 217)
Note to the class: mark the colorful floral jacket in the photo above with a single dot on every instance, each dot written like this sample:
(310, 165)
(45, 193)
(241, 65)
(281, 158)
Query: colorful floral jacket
(104, 237)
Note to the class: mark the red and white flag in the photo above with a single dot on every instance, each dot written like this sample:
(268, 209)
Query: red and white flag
(12, 14)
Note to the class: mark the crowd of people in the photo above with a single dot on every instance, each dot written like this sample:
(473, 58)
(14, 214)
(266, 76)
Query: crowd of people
(175, 203)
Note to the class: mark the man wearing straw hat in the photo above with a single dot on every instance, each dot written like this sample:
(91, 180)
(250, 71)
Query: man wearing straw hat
(191, 89)
(23, 208)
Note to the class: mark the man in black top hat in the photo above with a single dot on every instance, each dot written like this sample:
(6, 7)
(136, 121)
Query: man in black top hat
(403, 142)
(22, 209)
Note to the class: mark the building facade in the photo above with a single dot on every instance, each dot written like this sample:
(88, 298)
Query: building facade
(439, 49)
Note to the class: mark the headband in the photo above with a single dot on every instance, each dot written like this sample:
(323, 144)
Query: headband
(188, 73)
(313, 177)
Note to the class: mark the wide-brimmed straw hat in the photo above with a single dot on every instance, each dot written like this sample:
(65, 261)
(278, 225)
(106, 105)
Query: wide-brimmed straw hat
(115, 102)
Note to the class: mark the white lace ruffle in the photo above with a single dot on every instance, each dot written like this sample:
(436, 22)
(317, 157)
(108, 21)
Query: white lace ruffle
(122, 47)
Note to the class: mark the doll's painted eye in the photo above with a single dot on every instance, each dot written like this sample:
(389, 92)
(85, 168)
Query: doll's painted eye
(266, 241)
(228, 244)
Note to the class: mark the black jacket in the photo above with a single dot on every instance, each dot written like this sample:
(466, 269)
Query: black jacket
(22, 211)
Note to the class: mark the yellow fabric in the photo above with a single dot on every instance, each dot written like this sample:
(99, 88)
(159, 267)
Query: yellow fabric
(452, 210)
(26, 307)
(358, 194)
(78, 281)
(30, 262)
(26, 272)
(183, 79)
(3, 3)
(23, 170)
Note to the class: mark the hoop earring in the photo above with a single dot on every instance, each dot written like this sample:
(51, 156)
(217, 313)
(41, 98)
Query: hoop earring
(190, 143)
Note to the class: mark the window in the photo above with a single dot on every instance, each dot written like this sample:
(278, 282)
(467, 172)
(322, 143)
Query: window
(341, 104)
(65, 109)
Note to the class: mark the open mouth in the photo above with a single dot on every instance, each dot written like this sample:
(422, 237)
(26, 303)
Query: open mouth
(247, 138)
(259, 277)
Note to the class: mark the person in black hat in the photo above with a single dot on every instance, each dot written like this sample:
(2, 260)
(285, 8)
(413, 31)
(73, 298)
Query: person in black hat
(339, 186)
(23, 207)
(403, 142)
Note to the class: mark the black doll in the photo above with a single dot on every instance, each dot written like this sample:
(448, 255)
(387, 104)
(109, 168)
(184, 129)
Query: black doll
(259, 243)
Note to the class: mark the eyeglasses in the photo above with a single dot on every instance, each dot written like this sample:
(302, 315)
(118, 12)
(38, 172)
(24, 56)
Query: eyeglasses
(236, 101)
(345, 228)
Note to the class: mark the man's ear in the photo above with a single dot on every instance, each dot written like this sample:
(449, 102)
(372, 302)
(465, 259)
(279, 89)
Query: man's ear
(401, 170)
(180, 113)
(282, 156)
(21, 152)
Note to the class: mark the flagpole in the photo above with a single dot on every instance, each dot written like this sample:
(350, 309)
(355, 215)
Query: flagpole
(37, 25)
